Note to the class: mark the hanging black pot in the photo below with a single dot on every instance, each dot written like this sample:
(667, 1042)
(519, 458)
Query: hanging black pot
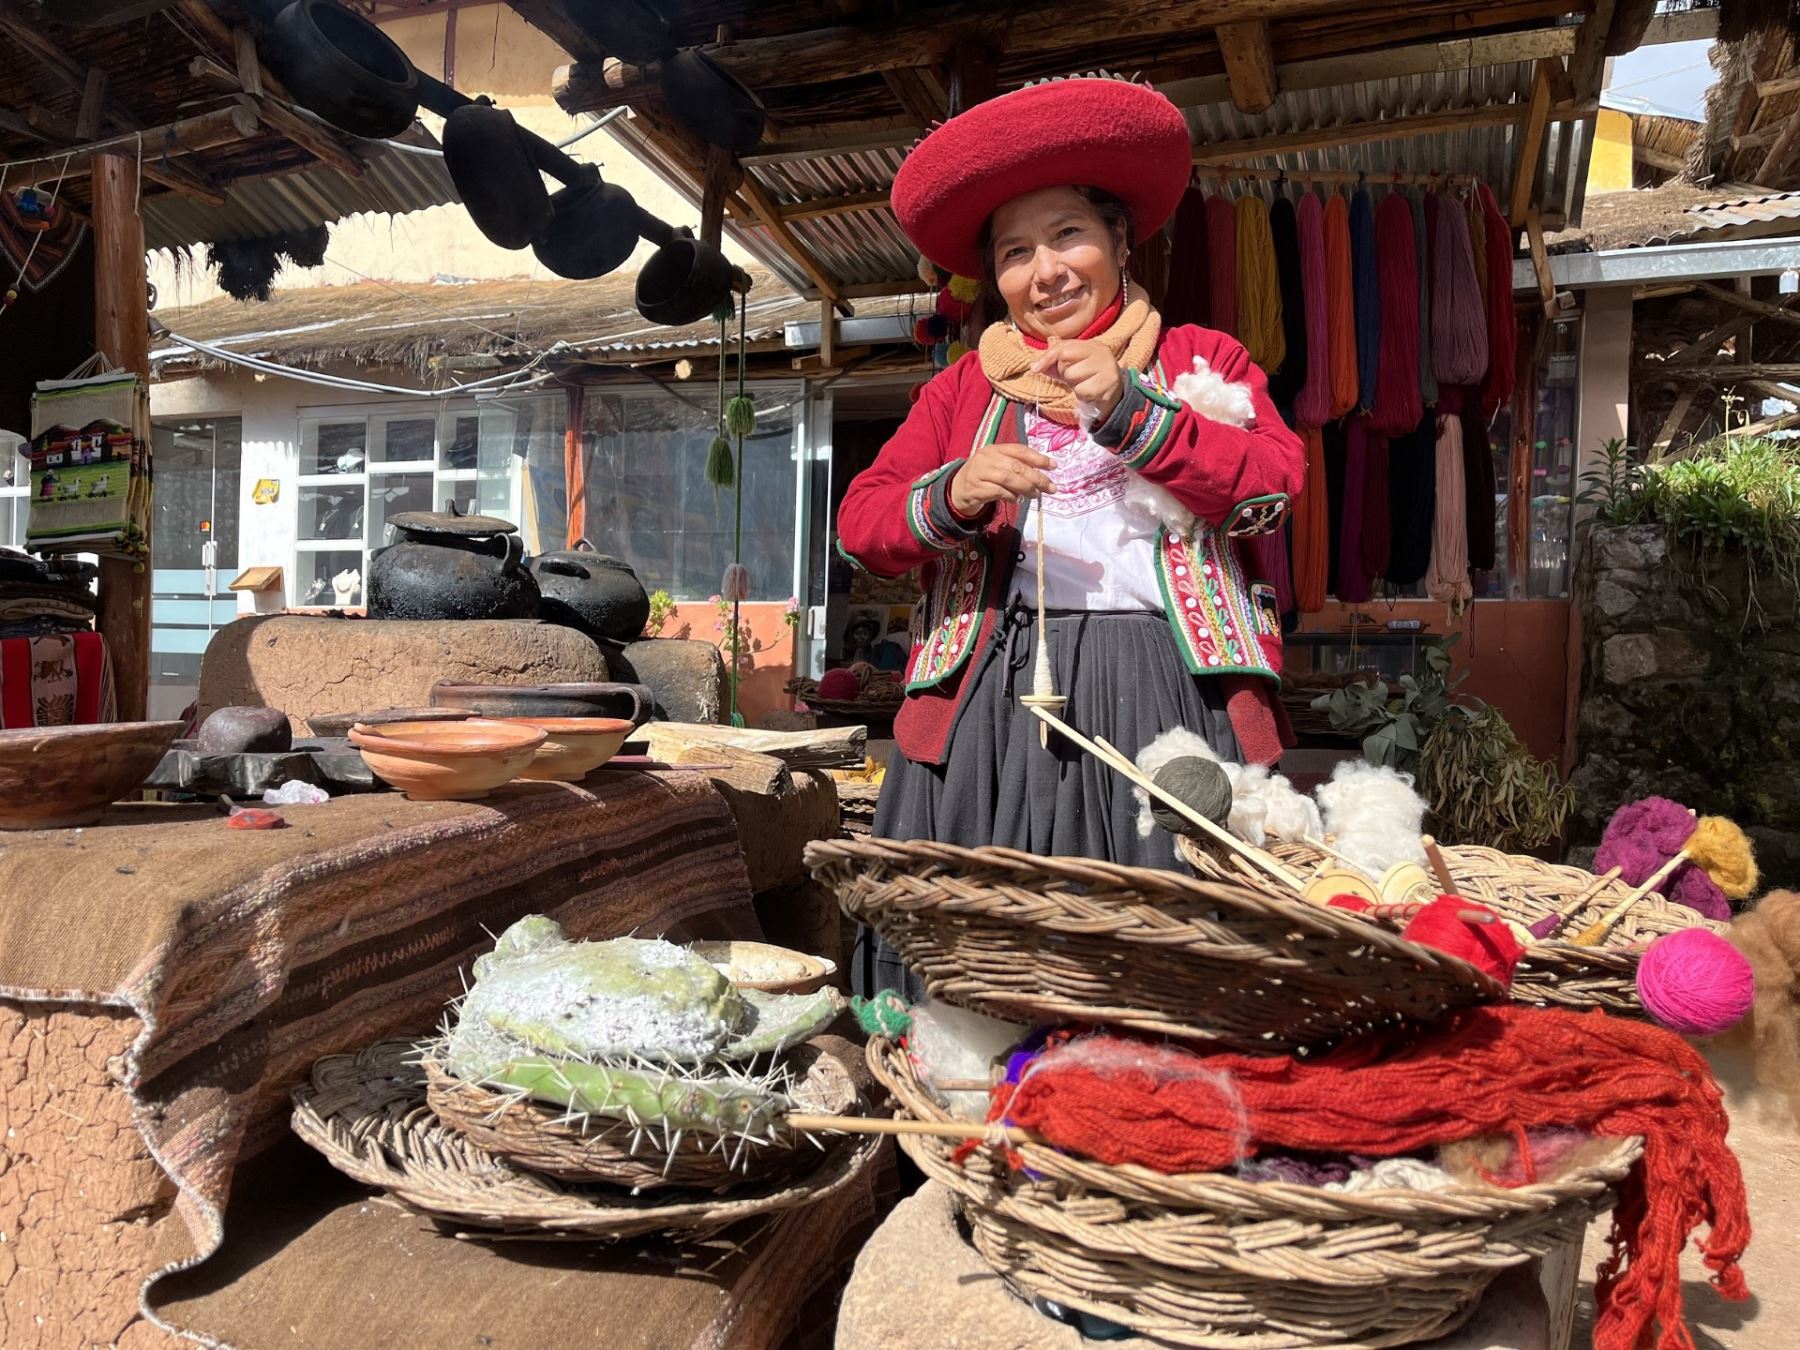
(599, 595)
(635, 31)
(100, 13)
(720, 111)
(684, 281)
(592, 231)
(342, 67)
(495, 174)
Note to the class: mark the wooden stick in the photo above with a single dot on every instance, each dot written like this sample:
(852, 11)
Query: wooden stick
(1557, 918)
(937, 1129)
(1594, 934)
(1439, 866)
(1119, 764)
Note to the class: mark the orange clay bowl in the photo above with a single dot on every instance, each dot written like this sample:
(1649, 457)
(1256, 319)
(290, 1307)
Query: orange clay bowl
(53, 777)
(447, 761)
(575, 747)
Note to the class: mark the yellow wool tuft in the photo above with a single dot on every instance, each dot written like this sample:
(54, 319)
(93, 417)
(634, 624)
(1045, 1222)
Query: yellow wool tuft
(965, 289)
(1722, 850)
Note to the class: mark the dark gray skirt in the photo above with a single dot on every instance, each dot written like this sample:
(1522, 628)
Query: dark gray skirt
(1125, 681)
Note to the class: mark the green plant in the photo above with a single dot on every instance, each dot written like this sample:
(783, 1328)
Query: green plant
(1615, 489)
(1394, 729)
(1483, 787)
(662, 608)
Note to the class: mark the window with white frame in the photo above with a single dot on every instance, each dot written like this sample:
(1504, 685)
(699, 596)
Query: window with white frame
(361, 466)
(15, 488)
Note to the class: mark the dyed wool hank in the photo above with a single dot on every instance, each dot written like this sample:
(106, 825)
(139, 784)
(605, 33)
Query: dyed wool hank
(1258, 286)
(1340, 306)
(1497, 1070)
(1365, 275)
(1397, 407)
(1459, 322)
(1412, 501)
(1312, 529)
(1448, 580)
(1188, 264)
(1312, 406)
(1428, 389)
(1351, 583)
(1503, 334)
(1480, 483)
(1378, 525)
(1285, 384)
(1221, 264)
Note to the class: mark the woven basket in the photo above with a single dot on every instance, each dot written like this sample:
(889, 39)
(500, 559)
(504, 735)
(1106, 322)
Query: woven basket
(880, 698)
(1204, 1259)
(368, 1115)
(1035, 939)
(1524, 890)
(537, 1137)
(856, 807)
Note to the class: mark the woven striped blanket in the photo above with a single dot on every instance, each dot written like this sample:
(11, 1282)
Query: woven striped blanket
(249, 954)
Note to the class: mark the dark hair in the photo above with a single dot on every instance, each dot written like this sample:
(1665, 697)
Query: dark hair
(989, 306)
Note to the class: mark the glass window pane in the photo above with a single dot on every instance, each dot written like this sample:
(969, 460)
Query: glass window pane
(463, 493)
(8, 518)
(392, 493)
(1492, 585)
(336, 446)
(1553, 464)
(398, 439)
(332, 512)
(331, 577)
(228, 460)
(460, 440)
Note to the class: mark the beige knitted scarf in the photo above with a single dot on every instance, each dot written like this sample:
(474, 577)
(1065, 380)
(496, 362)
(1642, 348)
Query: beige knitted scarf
(1006, 359)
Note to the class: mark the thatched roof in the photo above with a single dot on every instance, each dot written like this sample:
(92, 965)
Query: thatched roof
(1674, 212)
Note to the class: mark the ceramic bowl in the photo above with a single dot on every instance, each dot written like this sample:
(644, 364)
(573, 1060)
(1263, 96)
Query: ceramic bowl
(339, 724)
(52, 777)
(447, 761)
(576, 745)
(764, 966)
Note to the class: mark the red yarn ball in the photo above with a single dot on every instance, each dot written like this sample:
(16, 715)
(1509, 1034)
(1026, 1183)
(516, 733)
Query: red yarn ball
(951, 308)
(1489, 947)
(839, 685)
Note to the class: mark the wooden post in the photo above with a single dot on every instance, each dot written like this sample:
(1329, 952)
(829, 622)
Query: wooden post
(974, 77)
(122, 335)
(574, 464)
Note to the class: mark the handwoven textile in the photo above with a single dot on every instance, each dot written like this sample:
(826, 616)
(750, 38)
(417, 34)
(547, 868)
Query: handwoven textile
(56, 680)
(247, 955)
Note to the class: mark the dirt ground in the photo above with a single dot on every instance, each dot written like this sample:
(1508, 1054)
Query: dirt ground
(1767, 1144)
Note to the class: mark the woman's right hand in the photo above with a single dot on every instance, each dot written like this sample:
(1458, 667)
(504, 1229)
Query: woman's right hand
(999, 473)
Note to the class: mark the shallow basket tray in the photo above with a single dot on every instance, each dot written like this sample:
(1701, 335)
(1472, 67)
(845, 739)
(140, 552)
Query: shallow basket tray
(1523, 889)
(1204, 1259)
(368, 1115)
(542, 1138)
(1034, 939)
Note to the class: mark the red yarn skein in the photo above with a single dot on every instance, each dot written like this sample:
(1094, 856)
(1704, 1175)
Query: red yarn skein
(1489, 947)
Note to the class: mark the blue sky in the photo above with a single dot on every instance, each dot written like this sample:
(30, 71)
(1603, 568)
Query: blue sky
(1674, 76)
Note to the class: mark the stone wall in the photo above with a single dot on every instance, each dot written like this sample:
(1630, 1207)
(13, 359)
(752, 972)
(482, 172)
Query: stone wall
(1683, 695)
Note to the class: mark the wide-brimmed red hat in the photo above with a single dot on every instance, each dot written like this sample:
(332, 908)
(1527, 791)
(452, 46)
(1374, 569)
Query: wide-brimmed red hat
(1123, 138)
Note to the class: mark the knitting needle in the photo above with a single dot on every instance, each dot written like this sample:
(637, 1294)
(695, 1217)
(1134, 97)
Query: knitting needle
(937, 1129)
(1594, 934)
(1438, 865)
(1109, 756)
(1546, 927)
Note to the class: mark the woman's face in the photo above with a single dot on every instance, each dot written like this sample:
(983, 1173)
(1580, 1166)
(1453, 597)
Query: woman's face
(1056, 263)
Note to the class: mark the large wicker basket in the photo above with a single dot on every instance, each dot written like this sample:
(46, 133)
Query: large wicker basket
(1065, 939)
(1555, 973)
(1204, 1259)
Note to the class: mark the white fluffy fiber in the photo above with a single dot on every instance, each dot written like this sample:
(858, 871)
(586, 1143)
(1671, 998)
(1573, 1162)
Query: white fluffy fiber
(1376, 817)
(1212, 396)
(952, 1043)
(1263, 804)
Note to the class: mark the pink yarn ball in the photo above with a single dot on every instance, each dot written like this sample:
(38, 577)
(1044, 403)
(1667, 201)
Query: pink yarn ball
(839, 685)
(1696, 983)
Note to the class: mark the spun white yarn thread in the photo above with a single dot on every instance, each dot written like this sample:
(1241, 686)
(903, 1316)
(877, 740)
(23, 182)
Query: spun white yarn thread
(1376, 817)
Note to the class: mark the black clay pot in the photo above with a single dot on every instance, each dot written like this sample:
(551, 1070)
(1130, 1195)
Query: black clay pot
(451, 567)
(344, 68)
(593, 230)
(633, 702)
(684, 282)
(712, 102)
(100, 13)
(496, 174)
(635, 31)
(590, 591)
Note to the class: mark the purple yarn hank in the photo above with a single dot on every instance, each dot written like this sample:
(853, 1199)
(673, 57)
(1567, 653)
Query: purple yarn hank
(1641, 837)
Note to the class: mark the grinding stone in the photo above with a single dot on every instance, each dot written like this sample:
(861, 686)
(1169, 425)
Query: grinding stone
(1200, 783)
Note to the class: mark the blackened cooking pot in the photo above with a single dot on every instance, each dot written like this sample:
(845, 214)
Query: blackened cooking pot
(590, 591)
(451, 566)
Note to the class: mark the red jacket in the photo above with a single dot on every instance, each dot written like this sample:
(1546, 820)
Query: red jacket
(895, 517)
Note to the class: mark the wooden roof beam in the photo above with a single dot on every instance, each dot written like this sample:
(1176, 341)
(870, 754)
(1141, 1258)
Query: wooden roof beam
(207, 131)
(1659, 159)
(822, 208)
(1587, 66)
(1359, 133)
(1249, 64)
(769, 216)
(1531, 145)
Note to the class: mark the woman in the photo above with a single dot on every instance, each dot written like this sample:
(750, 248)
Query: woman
(1146, 449)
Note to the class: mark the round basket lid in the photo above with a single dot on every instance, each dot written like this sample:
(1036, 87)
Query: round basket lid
(443, 522)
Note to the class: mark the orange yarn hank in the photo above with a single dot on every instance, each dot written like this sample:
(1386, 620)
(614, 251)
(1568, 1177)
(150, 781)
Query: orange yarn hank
(1501, 1069)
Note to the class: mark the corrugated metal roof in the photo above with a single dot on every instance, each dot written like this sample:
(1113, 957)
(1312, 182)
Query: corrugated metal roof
(395, 182)
(1673, 212)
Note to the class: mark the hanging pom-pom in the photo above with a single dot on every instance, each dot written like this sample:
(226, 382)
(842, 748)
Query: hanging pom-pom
(956, 351)
(727, 307)
(735, 585)
(740, 415)
(940, 355)
(950, 307)
(938, 326)
(922, 333)
(928, 272)
(721, 469)
(965, 289)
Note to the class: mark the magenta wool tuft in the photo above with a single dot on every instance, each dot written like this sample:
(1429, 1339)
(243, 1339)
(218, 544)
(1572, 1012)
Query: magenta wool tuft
(1696, 983)
(1644, 835)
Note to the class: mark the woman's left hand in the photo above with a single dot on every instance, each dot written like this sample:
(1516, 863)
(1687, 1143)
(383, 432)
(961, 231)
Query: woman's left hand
(1088, 368)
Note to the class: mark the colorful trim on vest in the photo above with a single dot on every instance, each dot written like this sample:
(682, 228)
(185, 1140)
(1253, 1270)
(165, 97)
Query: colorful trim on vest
(1257, 515)
(1217, 621)
(1151, 425)
(918, 509)
(945, 623)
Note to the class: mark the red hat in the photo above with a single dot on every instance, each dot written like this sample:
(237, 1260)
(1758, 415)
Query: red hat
(1122, 138)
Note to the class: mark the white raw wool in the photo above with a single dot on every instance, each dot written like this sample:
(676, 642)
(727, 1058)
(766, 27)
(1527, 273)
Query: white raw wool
(1213, 396)
(1263, 804)
(952, 1044)
(1403, 1174)
(1372, 816)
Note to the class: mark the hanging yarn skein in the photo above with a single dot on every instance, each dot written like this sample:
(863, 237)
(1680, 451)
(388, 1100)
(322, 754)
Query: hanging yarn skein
(1336, 438)
(1340, 306)
(1222, 264)
(1503, 334)
(1377, 522)
(1351, 581)
(1312, 406)
(1396, 409)
(1459, 323)
(1412, 501)
(1448, 580)
(1428, 388)
(1312, 528)
(1258, 286)
(1365, 274)
(1185, 301)
(1480, 481)
(1471, 207)
(1285, 384)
